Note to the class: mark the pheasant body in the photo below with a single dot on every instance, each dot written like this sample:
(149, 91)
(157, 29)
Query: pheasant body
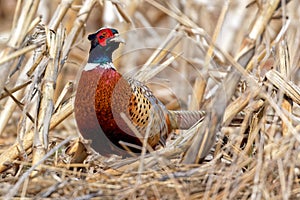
(104, 98)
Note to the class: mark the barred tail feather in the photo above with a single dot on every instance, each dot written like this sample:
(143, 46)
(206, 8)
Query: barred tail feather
(184, 119)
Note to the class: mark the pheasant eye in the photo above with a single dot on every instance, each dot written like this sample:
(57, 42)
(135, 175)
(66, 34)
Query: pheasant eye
(102, 36)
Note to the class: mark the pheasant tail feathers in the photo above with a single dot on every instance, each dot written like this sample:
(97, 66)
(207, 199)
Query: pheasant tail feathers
(184, 119)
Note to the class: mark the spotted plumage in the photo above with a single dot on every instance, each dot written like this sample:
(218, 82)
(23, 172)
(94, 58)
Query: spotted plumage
(146, 112)
(104, 98)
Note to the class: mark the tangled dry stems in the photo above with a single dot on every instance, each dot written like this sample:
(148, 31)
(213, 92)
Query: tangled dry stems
(246, 148)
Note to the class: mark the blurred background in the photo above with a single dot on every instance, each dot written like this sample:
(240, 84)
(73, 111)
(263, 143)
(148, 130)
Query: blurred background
(145, 25)
(199, 37)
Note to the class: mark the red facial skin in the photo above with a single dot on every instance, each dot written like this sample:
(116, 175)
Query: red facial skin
(103, 35)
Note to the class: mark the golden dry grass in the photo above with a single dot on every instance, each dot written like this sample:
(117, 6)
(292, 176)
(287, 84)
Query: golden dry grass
(237, 60)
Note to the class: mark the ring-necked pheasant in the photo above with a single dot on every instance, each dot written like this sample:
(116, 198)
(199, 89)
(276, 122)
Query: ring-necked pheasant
(103, 94)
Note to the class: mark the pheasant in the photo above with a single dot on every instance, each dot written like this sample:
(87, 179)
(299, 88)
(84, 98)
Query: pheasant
(105, 99)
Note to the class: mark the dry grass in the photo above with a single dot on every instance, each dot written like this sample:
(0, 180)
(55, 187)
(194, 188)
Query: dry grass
(237, 61)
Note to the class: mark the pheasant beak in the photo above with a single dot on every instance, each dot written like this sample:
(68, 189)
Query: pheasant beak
(117, 38)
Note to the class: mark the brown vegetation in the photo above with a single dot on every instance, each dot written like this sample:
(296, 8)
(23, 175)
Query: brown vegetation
(237, 60)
